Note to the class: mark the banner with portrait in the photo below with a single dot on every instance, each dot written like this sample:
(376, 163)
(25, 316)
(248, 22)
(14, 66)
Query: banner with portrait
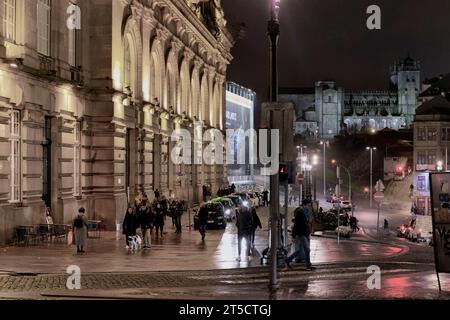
(440, 202)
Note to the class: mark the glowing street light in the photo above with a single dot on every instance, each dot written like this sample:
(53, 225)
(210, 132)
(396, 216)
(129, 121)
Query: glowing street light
(315, 160)
(440, 165)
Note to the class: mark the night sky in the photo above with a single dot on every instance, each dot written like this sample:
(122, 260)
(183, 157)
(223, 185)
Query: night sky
(328, 39)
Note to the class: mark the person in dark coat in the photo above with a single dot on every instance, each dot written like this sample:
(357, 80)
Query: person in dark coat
(164, 205)
(173, 214)
(204, 192)
(179, 209)
(244, 224)
(159, 219)
(130, 224)
(301, 233)
(202, 220)
(256, 224)
(266, 198)
(80, 228)
(146, 220)
(157, 194)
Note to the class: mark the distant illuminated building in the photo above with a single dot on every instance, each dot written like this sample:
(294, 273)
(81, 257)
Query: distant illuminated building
(240, 103)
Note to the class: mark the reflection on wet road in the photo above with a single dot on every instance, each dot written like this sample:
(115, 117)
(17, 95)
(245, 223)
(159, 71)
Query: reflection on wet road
(173, 252)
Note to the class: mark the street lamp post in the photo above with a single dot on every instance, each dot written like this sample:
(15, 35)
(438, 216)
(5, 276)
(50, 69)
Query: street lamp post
(324, 143)
(371, 149)
(302, 166)
(315, 161)
(303, 160)
(273, 31)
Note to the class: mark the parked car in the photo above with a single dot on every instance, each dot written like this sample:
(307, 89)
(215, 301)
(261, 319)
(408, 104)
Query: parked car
(236, 200)
(344, 231)
(216, 216)
(343, 204)
(245, 200)
(331, 198)
(229, 206)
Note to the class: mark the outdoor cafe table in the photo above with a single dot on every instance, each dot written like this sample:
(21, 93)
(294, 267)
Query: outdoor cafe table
(94, 226)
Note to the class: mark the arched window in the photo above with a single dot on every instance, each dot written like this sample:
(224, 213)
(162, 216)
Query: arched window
(127, 64)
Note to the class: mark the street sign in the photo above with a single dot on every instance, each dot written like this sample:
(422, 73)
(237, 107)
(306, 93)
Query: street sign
(378, 196)
(379, 187)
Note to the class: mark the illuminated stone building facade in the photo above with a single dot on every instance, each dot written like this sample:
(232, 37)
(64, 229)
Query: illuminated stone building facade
(90, 92)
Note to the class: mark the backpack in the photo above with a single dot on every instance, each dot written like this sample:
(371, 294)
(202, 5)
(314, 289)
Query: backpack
(78, 223)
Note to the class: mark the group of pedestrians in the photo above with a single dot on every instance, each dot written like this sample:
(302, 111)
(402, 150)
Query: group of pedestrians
(149, 216)
(247, 221)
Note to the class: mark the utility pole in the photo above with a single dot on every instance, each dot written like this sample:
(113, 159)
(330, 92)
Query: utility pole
(273, 31)
(371, 149)
(338, 193)
(324, 168)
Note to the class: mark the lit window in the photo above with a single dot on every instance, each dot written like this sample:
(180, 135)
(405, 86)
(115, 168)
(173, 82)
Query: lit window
(431, 157)
(127, 65)
(15, 156)
(9, 19)
(422, 134)
(432, 134)
(421, 157)
(77, 160)
(43, 26)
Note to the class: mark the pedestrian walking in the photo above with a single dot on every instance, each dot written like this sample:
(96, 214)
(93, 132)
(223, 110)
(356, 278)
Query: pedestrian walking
(386, 226)
(172, 212)
(80, 227)
(354, 224)
(159, 220)
(179, 209)
(256, 224)
(202, 220)
(157, 194)
(301, 232)
(146, 220)
(130, 224)
(204, 192)
(244, 223)
(266, 198)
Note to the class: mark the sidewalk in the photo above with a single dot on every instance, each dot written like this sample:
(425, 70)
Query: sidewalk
(175, 253)
(333, 281)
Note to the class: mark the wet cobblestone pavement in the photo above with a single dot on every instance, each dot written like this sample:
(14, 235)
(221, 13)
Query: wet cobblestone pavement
(183, 267)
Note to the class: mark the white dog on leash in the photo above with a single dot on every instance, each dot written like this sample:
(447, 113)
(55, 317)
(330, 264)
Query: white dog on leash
(135, 243)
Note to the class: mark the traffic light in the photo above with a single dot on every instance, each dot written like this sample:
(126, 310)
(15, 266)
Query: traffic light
(287, 173)
(283, 173)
